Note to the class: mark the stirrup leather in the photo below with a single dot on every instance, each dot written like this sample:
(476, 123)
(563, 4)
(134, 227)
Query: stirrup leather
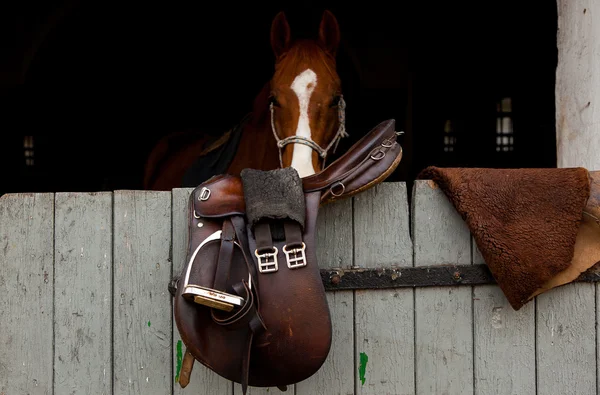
(207, 296)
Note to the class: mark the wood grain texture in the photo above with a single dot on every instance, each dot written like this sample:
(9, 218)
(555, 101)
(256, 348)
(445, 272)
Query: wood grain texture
(237, 390)
(504, 344)
(142, 303)
(381, 227)
(566, 317)
(26, 284)
(566, 340)
(384, 318)
(83, 284)
(385, 342)
(335, 248)
(334, 235)
(443, 315)
(504, 341)
(577, 79)
(202, 380)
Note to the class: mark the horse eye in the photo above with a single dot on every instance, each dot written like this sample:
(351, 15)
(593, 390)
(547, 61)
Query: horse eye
(274, 101)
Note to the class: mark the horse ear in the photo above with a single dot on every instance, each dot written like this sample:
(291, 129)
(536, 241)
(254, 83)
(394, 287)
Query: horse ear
(280, 34)
(329, 33)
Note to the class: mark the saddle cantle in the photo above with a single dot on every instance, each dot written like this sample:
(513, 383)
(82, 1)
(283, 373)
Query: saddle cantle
(250, 303)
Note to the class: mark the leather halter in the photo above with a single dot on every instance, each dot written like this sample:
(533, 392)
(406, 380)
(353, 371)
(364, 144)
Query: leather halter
(341, 133)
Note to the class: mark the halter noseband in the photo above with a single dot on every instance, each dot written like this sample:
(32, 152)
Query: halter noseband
(341, 133)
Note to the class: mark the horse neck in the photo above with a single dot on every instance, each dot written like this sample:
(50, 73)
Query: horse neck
(257, 148)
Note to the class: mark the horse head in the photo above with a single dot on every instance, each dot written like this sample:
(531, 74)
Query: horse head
(306, 102)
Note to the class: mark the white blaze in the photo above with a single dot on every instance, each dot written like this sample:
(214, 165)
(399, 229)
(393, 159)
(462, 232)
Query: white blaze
(303, 87)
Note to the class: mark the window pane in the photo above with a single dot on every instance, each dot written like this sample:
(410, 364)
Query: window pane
(506, 104)
(506, 125)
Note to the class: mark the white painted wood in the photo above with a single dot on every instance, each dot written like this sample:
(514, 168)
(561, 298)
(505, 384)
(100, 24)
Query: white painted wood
(334, 245)
(504, 341)
(202, 380)
(385, 342)
(381, 227)
(142, 303)
(566, 340)
(566, 332)
(26, 286)
(384, 318)
(237, 390)
(334, 235)
(444, 316)
(504, 344)
(83, 315)
(577, 80)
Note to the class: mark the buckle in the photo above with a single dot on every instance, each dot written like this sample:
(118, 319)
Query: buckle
(295, 257)
(267, 261)
(204, 194)
(388, 143)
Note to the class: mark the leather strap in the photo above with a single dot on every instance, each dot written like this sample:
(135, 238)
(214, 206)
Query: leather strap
(225, 256)
(262, 234)
(293, 234)
(248, 315)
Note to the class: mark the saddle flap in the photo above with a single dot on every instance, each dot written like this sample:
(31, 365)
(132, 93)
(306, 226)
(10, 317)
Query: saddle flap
(220, 196)
(367, 163)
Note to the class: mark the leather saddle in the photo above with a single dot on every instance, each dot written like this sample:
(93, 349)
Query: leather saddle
(249, 303)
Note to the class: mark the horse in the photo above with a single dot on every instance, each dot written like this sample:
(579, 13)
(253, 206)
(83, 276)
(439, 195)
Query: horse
(297, 118)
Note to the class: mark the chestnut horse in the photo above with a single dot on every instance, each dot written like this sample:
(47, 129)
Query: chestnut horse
(297, 119)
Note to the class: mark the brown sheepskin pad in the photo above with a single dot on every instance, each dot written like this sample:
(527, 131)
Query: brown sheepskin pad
(524, 221)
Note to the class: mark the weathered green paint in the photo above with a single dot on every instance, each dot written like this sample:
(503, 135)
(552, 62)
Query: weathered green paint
(148, 324)
(363, 367)
(179, 359)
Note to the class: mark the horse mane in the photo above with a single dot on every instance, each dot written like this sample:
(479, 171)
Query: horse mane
(260, 106)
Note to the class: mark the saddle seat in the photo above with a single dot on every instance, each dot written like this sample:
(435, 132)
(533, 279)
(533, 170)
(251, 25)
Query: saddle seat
(250, 303)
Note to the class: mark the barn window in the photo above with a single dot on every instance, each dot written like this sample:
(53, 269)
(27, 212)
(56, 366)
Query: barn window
(504, 125)
(449, 136)
(28, 150)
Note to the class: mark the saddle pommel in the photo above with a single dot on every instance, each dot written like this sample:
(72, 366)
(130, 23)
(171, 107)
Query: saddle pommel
(228, 197)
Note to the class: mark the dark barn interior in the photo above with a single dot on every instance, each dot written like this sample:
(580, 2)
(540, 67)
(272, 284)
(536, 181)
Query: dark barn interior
(89, 88)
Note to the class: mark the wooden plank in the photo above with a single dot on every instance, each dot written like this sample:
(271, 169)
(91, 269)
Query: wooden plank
(26, 284)
(384, 318)
(202, 380)
(381, 227)
(336, 376)
(566, 317)
(142, 303)
(334, 235)
(577, 75)
(83, 301)
(504, 342)
(566, 340)
(444, 316)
